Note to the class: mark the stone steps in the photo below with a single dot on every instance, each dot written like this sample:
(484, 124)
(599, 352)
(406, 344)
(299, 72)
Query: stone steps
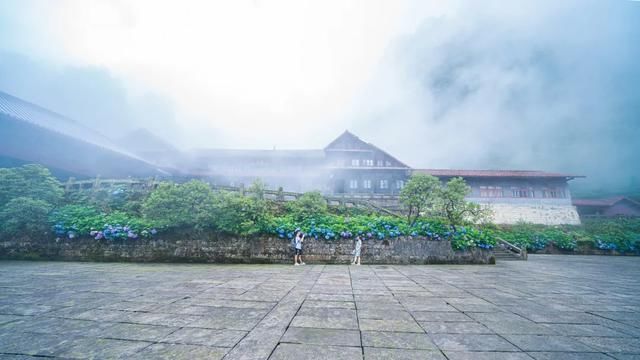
(501, 254)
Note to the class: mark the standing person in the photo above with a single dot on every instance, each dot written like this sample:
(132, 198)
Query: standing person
(298, 255)
(292, 245)
(356, 251)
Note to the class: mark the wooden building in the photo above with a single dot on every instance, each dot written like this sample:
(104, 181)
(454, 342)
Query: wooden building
(607, 207)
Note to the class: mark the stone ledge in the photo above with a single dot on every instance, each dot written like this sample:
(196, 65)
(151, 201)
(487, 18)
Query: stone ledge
(257, 250)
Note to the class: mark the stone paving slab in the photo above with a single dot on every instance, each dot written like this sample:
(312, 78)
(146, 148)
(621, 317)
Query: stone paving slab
(548, 343)
(397, 340)
(464, 327)
(180, 352)
(315, 352)
(314, 336)
(401, 354)
(550, 307)
(487, 355)
(570, 356)
(206, 337)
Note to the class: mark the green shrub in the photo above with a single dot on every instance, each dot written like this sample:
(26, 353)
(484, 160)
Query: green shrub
(620, 234)
(31, 181)
(122, 198)
(237, 214)
(24, 216)
(80, 218)
(559, 238)
(310, 204)
(191, 204)
(522, 235)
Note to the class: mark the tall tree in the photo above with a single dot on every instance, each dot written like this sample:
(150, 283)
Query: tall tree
(419, 195)
(452, 205)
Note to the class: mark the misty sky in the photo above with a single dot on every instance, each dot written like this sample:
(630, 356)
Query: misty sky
(550, 85)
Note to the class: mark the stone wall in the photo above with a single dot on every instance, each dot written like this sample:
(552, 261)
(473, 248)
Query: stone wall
(535, 213)
(221, 249)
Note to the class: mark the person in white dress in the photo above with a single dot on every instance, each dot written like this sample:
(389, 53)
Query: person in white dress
(298, 251)
(356, 251)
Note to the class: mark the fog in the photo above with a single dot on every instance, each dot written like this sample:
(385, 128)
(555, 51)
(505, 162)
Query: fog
(541, 85)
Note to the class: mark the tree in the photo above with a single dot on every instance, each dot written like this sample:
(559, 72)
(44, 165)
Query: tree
(308, 205)
(24, 216)
(31, 181)
(419, 195)
(452, 205)
(191, 204)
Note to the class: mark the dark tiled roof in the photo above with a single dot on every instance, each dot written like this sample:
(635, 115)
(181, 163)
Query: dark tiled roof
(68, 136)
(605, 202)
(258, 154)
(352, 137)
(494, 173)
(37, 115)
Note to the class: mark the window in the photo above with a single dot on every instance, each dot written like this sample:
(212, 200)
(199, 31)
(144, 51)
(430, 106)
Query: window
(384, 184)
(368, 162)
(491, 191)
(552, 193)
(399, 184)
(387, 163)
(521, 192)
(366, 184)
(353, 184)
(355, 162)
(379, 163)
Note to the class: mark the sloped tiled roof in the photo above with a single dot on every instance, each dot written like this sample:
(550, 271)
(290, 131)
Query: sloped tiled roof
(349, 135)
(605, 202)
(258, 154)
(494, 173)
(37, 115)
(68, 145)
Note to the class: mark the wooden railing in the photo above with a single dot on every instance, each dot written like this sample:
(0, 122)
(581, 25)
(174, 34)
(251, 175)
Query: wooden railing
(521, 252)
(98, 184)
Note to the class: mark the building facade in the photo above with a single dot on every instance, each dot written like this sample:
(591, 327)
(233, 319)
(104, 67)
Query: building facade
(518, 196)
(351, 167)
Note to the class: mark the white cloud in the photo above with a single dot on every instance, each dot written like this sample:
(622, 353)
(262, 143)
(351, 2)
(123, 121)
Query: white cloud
(251, 70)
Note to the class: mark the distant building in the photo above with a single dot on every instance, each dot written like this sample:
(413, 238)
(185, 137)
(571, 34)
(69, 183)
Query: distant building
(348, 166)
(351, 167)
(519, 196)
(614, 206)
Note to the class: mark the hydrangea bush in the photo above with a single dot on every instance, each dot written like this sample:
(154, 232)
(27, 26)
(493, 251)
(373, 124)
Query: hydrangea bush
(622, 234)
(74, 221)
(332, 227)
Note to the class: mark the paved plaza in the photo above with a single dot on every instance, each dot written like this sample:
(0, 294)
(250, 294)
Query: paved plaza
(550, 307)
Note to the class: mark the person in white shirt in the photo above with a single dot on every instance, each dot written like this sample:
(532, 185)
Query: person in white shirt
(298, 251)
